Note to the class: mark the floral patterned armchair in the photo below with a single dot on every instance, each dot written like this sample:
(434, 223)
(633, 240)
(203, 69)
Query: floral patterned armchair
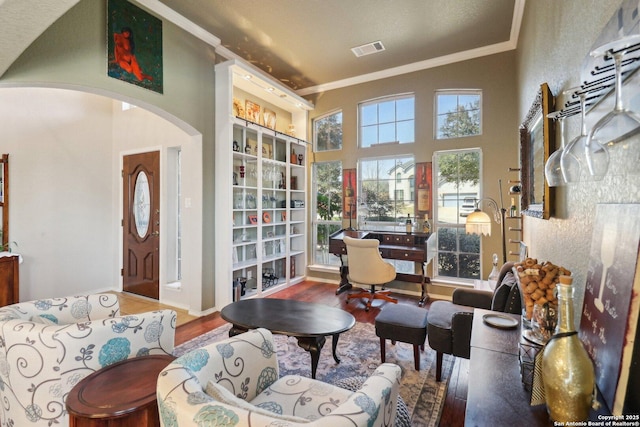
(236, 382)
(47, 346)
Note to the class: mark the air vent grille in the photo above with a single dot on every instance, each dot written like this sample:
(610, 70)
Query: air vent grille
(367, 49)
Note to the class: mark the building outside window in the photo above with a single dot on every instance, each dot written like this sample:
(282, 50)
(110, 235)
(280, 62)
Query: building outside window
(458, 113)
(385, 198)
(457, 177)
(384, 186)
(327, 132)
(327, 209)
(387, 120)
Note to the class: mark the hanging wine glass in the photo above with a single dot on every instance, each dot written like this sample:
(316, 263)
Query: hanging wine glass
(611, 132)
(573, 161)
(553, 169)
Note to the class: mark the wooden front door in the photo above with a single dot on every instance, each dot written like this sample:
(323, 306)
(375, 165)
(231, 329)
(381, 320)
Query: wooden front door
(141, 224)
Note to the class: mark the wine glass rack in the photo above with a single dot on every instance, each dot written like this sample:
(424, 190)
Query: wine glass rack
(599, 79)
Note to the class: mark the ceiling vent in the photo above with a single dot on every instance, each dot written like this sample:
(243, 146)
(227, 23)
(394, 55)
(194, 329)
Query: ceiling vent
(367, 49)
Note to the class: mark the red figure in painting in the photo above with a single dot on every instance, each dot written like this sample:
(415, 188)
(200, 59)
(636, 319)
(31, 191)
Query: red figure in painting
(124, 52)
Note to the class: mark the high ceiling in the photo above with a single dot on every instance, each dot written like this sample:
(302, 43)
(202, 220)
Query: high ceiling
(306, 44)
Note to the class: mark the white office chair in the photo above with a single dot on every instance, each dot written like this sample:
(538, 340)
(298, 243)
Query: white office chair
(367, 267)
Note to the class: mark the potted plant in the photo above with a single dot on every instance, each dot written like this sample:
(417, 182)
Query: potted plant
(6, 247)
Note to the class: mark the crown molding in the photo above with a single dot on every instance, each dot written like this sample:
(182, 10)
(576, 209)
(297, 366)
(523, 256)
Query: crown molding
(174, 17)
(511, 44)
(518, 11)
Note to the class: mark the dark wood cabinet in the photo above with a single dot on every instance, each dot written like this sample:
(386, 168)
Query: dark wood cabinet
(4, 201)
(9, 280)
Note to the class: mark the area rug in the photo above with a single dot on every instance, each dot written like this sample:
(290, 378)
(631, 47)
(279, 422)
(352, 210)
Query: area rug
(359, 353)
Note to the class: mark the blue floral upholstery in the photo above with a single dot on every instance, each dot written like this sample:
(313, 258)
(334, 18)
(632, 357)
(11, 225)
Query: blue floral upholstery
(242, 378)
(48, 346)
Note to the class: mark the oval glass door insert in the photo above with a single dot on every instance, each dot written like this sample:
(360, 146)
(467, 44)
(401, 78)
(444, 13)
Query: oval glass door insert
(142, 204)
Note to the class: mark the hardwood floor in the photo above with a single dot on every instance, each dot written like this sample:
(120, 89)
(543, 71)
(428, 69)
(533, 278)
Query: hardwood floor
(323, 293)
(132, 304)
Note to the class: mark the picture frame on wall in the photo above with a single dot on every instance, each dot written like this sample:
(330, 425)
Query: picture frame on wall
(349, 193)
(423, 188)
(134, 46)
(536, 139)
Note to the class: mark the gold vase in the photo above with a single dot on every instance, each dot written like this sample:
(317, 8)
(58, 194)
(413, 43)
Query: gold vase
(567, 371)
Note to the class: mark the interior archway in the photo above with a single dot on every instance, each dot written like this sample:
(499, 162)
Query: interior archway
(65, 150)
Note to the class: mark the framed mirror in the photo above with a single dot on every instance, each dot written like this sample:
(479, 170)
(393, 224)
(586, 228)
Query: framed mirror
(536, 140)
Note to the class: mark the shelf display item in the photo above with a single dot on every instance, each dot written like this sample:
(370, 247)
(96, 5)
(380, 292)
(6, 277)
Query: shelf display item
(269, 118)
(252, 112)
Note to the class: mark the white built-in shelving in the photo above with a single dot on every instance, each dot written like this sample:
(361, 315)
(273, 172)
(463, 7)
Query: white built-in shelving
(260, 184)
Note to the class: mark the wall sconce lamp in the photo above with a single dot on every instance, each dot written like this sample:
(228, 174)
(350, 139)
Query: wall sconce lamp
(478, 222)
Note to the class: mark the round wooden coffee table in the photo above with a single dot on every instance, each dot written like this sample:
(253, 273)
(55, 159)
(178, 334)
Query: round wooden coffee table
(308, 322)
(122, 394)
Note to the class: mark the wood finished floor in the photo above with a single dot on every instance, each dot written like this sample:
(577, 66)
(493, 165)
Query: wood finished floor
(323, 293)
(132, 304)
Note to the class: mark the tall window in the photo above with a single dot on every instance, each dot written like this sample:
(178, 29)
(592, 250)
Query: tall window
(385, 186)
(458, 113)
(174, 220)
(387, 120)
(327, 132)
(327, 191)
(458, 187)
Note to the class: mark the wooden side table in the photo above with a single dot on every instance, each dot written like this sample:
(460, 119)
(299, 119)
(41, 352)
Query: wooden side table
(9, 279)
(122, 394)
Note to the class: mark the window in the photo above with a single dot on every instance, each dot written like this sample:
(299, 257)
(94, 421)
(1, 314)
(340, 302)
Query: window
(388, 120)
(327, 206)
(173, 231)
(457, 174)
(385, 184)
(458, 113)
(327, 132)
(385, 197)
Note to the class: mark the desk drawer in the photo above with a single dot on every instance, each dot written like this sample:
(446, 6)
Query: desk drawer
(407, 255)
(336, 247)
(397, 239)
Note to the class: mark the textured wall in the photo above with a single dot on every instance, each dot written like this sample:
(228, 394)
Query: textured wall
(556, 37)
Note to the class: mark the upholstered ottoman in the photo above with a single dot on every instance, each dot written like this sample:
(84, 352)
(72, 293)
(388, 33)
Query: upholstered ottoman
(404, 323)
(449, 331)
